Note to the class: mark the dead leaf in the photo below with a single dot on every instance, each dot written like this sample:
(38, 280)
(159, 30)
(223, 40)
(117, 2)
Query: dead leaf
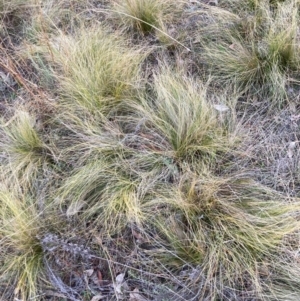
(74, 208)
(119, 284)
(290, 151)
(232, 46)
(292, 144)
(135, 295)
(98, 240)
(120, 278)
(97, 298)
(221, 108)
(99, 275)
(89, 272)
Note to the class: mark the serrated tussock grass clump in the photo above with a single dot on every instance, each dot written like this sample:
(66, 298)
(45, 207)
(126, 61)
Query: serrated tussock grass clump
(112, 196)
(21, 253)
(260, 52)
(119, 164)
(228, 227)
(178, 110)
(145, 16)
(100, 183)
(25, 152)
(89, 136)
(139, 161)
(99, 68)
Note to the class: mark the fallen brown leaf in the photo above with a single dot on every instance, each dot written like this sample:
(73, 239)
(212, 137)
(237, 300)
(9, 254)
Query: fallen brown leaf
(97, 298)
(135, 295)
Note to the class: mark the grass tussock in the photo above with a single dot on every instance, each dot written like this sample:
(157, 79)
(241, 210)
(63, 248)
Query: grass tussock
(180, 113)
(21, 252)
(145, 16)
(258, 51)
(177, 125)
(135, 172)
(227, 229)
(99, 69)
(26, 154)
